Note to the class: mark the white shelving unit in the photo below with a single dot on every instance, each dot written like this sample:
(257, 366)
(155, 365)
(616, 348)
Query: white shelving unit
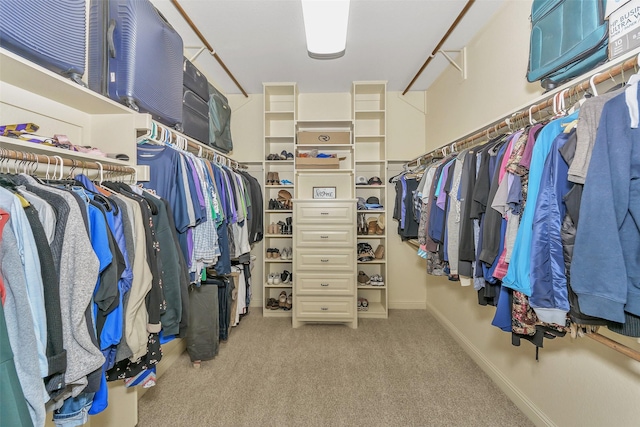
(369, 118)
(280, 114)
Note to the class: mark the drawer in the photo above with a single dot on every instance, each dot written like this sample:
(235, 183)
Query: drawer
(324, 309)
(325, 260)
(319, 236)
(322, 213)
(325, 284)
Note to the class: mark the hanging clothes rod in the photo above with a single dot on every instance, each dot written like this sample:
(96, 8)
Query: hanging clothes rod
(505, 123)
(208, 46)
(197, 148)
(620, 348)
(442, 41)
(28, 157)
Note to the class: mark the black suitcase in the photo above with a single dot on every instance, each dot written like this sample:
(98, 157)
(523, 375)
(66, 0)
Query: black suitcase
(219, 121)
(194, 80)
(135, 57)
(195, 116)
(49, 33)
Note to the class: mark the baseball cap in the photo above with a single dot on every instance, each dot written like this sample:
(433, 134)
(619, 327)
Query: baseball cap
(373, 200)
(375, 181)
(361, 180)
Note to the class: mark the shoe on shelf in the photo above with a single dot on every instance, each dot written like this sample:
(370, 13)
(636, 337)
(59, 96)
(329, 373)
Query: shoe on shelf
(275, 253)
(377, 280)
(289, 156)
(372, 224)
(276, 278)
(363, 279)
(281, 227)
(272, 304)
(282, 299)
(379, 253)
(275, 180)
(283, 155)
(285, 182)
(365, 252)
(270, 279)
(285, 277)
(269, 253)
(363, 304)
(380, 225)
(289, 302)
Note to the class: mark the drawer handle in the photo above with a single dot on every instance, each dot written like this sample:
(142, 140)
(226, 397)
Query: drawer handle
(324, 308)
(324, 213)
(324, 284)
(324, 260)
(324, 237)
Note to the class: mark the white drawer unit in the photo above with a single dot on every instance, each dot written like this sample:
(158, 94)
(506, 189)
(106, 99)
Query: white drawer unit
(324, 213)
(323, 309)
(324, 264)
(324, 284)
(318, 236)
(325, 260)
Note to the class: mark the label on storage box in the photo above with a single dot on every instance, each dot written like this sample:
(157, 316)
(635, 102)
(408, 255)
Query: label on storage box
(624, 29)
(324, 137)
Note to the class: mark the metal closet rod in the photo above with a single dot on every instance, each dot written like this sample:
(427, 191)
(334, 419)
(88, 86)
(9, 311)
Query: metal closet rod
(523, 116)
(200, 149)
(207, 45)
(442, 41)
(29, 157)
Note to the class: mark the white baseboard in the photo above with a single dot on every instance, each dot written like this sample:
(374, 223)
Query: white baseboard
(408, 305)
(517, 396)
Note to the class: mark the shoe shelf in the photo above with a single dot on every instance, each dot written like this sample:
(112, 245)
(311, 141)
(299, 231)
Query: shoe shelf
(280, 285)
(375, 310)
(278, 261)
(267, 312)
(278, 236)
(278, 211)
(369, 99)
(280, 186)
(279, 162)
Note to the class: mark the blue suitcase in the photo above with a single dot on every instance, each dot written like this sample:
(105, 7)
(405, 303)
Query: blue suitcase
(135, 57)
(568, 38)
(50, 34)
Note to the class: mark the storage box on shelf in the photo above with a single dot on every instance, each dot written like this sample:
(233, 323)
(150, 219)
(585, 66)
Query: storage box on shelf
(280, 113)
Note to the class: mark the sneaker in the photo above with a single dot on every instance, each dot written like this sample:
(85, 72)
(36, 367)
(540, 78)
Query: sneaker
(270, 279)
(285, 182)
(377, 280)
(365, 252)
(276, 279)
(285, 277)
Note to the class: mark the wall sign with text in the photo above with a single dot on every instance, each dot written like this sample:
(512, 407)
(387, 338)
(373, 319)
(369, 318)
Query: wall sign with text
(324, 192)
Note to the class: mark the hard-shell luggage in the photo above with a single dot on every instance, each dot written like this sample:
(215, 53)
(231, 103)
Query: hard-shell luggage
(50, 34)
(219, 121)
(135, 57)
(195, 81)
(568, 38)
(195, 116)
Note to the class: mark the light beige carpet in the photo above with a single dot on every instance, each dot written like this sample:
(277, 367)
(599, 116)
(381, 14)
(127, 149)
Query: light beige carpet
(403, 371)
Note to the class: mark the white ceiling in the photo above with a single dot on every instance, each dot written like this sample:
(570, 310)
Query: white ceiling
(264, 41)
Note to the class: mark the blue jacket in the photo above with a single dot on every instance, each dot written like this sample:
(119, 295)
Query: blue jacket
(605, 270)
(517, 277)
(549, 295)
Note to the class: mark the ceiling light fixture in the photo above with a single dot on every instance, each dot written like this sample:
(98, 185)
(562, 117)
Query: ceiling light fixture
(325, 24)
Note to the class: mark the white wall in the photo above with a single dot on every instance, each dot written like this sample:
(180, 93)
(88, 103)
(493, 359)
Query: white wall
(576, 382)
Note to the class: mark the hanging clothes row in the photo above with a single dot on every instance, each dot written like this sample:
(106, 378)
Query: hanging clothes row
(503, 216)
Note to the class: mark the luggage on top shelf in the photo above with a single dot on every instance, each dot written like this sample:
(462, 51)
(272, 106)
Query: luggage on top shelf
(50, 34)
(194, 80)
(195, 116)
(135, 57)
(195, 99)
(219, 121)
(568, 38)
